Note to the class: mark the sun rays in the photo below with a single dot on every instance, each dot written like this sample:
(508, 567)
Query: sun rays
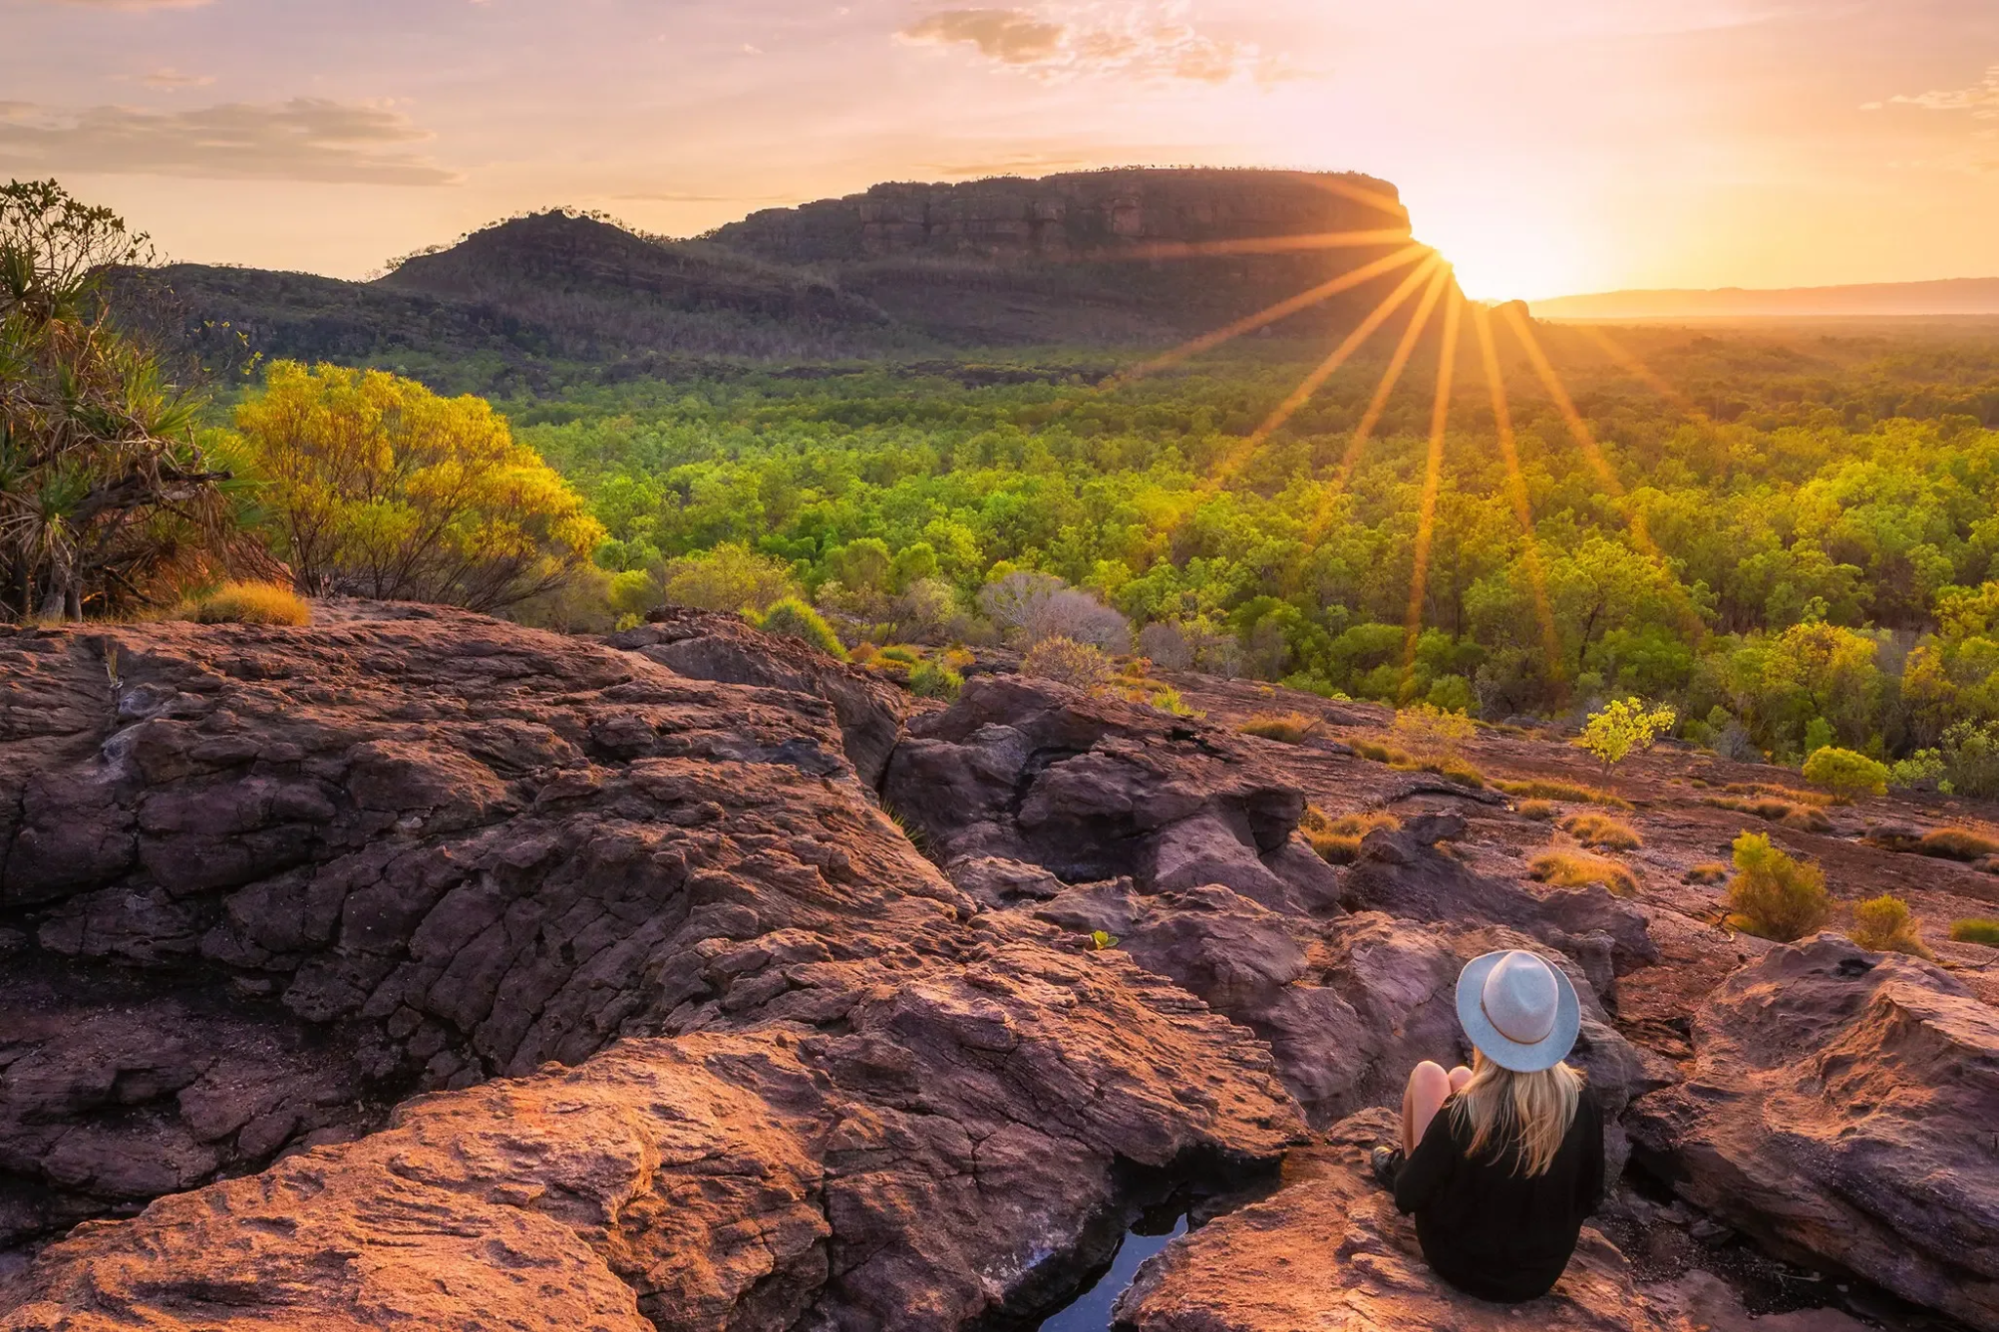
(1429, 274)
(1426, 514)
(1345, 282)
(1516, 488)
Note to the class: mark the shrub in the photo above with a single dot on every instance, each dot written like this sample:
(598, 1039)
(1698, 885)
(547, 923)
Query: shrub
(1291, 728)
(1624, 727)
(1574, 870)
(1773, 894)
(1708, 872)
(629, 620)
(1432, 732)
(1541, 789)
(930, 680)
(250, 604)
(1338, 840)
(1167, 701)
(1536, 810)
(898, 653)
(1976, 930)
(1956, 844)
(1846, 772)
(1382, 754)
(1923, 771)
(793, 619)
(1971, 758)
(1592, 829)
(1885, 925)
(1068, 663)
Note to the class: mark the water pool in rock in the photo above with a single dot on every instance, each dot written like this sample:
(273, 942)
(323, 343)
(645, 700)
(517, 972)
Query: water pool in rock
(1091, 1311)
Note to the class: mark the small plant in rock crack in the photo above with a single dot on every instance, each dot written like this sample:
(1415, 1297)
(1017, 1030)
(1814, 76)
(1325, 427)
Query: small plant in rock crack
(1101, 940)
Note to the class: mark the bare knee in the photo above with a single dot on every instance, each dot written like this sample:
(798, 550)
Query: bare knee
(1459, 1078)
(1428, 1077)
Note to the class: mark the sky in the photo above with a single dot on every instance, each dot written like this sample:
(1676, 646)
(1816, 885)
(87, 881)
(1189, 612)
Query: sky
(1546, 147)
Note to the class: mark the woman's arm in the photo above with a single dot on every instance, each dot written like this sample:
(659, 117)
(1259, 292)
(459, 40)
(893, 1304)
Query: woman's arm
(1430, 1166)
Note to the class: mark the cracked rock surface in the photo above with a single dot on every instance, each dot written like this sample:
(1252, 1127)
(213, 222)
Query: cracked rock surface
(699, 1038)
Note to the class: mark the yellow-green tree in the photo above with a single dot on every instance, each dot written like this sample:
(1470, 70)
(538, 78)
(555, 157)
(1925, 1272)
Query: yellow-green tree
(1624, 727)
(380, 488)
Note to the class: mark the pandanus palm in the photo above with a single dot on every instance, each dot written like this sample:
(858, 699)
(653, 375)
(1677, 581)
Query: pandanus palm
(101, 484)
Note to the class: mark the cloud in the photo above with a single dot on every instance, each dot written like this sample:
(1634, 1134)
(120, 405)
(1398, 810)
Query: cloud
(1981, 99)
(169, 79)
(130, 4)
(1133, 40)
(305, 139)
(1010, 36)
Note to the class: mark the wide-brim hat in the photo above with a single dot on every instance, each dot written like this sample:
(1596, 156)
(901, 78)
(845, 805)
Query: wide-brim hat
(1507, 991)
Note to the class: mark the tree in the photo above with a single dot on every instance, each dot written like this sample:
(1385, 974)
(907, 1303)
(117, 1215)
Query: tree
(1624, 727)
(103, 489)
(731, 577)
(382, 489)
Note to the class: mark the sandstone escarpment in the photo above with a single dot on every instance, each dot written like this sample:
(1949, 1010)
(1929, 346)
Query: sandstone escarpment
(1066, 216)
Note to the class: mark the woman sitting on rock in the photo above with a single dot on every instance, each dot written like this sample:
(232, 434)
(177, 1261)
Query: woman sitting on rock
(1501, 1162)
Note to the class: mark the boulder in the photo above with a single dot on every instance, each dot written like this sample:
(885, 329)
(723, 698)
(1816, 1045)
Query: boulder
(1401, 872)
(1348, 1006)
(703, 645)
(1840, 1111)
(1093, 789)
(1328, 1250)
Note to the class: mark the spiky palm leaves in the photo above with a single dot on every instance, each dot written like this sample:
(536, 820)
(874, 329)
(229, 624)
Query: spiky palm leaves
(101, 484)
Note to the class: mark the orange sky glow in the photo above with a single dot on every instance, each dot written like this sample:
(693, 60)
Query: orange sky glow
(1545, 146)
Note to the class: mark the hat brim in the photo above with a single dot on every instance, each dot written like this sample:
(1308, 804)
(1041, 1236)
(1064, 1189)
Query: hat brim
(1520, 1057)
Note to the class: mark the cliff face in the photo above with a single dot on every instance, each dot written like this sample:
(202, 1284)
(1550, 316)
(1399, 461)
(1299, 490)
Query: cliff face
(1064, 217)
(1078, 260)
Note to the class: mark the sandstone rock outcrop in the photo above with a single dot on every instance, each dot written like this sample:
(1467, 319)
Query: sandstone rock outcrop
(1328, 1250)
(704, 646)
(1840, 1109)
(420, 850)
(1092, 789)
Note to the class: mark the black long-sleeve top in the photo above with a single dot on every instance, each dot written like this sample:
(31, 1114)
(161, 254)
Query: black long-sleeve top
(1493, 1233)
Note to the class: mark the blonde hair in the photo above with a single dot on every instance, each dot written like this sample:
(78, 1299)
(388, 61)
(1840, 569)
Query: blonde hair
(1528, 1114)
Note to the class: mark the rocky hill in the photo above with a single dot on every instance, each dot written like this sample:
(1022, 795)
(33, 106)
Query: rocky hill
(1090, 259)
(415, 969)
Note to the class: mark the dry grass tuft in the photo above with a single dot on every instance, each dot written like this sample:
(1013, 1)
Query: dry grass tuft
(1956, 844)
(249, 604)
(1535, 809)
(1708, 872)
(1776, 809)
(1795, 795)
(1338, 840)
(1975, 930)
(1291, 728)
(1600, 831)
(1545, 790)
(1574, 870)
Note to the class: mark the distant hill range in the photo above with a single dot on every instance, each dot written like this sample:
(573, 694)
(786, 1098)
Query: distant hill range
(1950, 296)
(1089, 259)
